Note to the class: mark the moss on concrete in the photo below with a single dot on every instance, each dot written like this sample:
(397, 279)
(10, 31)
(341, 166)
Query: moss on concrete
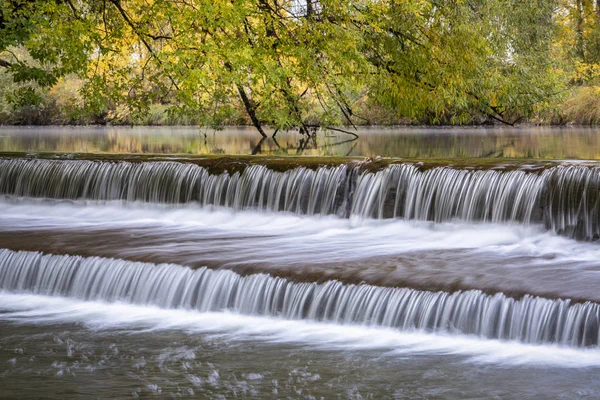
(233, 163)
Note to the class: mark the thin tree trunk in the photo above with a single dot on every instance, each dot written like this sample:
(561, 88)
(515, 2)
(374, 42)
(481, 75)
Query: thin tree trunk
(249, 105)
(251, 110)
(579, 45)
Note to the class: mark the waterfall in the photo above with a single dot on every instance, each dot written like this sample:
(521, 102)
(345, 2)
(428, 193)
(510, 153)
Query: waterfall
(565, 199)
(529, 319)
(300, 190)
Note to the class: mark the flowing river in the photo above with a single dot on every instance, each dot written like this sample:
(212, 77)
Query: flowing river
(168, 277)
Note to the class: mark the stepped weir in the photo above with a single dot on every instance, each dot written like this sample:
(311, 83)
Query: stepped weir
(563, 198)
(531, 320)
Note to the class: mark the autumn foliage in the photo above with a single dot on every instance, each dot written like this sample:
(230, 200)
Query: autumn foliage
(299, 64)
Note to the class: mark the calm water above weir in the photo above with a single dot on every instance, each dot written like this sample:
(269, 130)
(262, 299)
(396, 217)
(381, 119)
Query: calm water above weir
(172, 277)
(408, 142)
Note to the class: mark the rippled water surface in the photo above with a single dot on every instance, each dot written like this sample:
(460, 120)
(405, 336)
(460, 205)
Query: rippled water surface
(494, 142)
(62, 348)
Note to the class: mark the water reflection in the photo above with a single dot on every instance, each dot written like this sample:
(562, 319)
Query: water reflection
(413, 142)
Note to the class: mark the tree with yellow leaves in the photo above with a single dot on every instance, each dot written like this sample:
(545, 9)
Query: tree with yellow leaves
(438, 61)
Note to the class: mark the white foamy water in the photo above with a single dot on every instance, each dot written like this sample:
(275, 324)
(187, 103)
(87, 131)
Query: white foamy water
(529, 319)
(562, 198)
(382, 237)
(163, 278)
(33, 309)
(439, 256)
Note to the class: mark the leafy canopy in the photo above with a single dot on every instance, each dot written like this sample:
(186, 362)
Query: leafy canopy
(433, 60)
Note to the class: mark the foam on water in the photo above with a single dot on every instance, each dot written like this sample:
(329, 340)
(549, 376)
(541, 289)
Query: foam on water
(34, 309)
(510, 258)
(285, 232)
(563, 198)
(527, 319)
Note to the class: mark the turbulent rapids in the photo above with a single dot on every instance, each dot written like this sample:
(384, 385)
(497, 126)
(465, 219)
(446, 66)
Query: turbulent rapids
(565, 199)
(531, 320)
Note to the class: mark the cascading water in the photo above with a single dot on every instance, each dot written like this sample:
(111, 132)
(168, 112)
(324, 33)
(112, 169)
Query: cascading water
(566, 199)
(300, 190)
(531, 320)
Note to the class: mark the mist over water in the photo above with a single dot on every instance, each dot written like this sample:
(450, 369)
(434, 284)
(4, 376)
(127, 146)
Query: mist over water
(79, 348)
(101, 316)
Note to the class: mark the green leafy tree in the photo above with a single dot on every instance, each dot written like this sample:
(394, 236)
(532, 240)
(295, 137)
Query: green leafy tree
(449, 61)
(284, 61)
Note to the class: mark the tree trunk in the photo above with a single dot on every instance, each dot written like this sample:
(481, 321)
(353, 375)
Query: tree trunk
(310, 11)
(249, 105)
(251, 110)
(579, 45)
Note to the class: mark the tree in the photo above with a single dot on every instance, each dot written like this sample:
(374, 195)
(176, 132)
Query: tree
(452, 60)
(439, 61)
(201, 54)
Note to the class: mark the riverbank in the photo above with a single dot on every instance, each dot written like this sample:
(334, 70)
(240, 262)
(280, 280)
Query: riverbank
(63, 105)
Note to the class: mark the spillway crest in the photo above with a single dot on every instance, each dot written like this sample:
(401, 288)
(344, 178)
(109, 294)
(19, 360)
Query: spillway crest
(565, 199)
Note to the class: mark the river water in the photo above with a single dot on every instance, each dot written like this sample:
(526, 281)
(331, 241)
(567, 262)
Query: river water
(164, 279)
(57, 348)
(413, 142)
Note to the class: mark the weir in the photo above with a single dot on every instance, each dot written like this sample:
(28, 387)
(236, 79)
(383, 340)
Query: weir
(564, 198)
(532, 320)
